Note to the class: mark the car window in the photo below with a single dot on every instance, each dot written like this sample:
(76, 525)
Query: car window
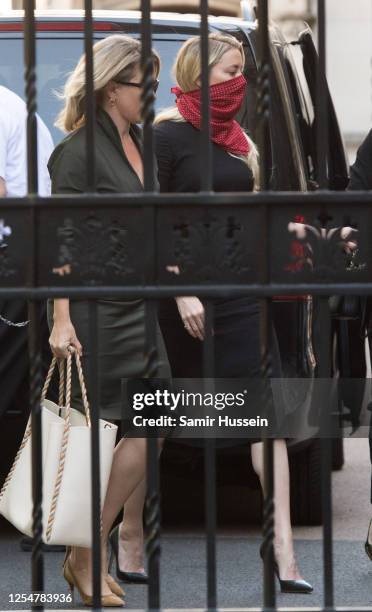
(285, 172)
(302, 59)
(285, 136)
(295, 107)
(294, 59)
(56, 57)
(55, 60)
(304, 113)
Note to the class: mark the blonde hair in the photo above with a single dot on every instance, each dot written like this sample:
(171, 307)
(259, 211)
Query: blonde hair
(187, 71)
(116, 56)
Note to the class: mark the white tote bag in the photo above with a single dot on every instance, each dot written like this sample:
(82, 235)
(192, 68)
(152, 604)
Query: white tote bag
(66, 456)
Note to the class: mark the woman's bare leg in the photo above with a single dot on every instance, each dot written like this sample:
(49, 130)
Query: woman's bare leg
(128, 470)
(131, 539)
(284, 551)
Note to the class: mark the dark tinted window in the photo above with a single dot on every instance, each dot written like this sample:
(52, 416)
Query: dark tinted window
(56, 57)
(55, 60)
(286, 171)
(304, 68)
(303, 106)
(284, 174)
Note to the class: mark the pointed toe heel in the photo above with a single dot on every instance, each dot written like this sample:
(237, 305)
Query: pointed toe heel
(107, 601)
(134, 577)
(128, 577)
(114, 586)
(111, 601)
(368, 542)
(294, 586)
(290, 586)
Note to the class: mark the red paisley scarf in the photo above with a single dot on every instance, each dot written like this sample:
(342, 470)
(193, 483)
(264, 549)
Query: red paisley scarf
(225, 100)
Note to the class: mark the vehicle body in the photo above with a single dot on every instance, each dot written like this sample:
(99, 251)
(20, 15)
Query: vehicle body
(293, 168)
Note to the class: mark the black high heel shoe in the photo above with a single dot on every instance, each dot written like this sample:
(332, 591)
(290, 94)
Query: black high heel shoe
(290, 586)
(368, 542)
(128, 577)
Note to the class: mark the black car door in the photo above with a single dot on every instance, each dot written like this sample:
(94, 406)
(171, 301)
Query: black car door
(304, 92)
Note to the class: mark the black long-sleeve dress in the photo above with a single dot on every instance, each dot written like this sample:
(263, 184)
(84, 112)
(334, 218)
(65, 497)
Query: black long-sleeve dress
(361, 179)
(236, 324)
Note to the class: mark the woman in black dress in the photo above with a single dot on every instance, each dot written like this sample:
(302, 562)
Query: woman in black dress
(236, 323)
(361, 180)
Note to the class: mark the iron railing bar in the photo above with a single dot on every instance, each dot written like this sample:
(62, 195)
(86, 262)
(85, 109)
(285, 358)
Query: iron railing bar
(89, 98)
(152, 514)
(270, 199)
(322, 138)
(94, 391)
(210, 499)
(37, 560)
(206, 175)
(326, 487)
(148, 97)
(31, 97)
(324, 358)
(34, 307)
(263, 100)
(324, 374)
(211, 521)
(205, 291)
(90, 111)
(153, 548)
(152, 509)
(263, 117)
(268, 443)
(268, 526)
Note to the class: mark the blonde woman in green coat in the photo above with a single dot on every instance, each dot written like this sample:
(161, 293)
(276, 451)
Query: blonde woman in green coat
(121, 323)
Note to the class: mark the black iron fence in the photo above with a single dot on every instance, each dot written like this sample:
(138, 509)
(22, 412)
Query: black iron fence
(256, 267)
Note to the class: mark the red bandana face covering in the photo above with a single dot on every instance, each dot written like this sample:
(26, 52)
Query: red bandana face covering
(225, 100)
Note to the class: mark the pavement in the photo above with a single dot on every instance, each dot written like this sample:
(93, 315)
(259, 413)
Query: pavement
(239, 570)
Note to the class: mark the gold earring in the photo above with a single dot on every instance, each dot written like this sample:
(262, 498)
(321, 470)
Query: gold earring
(112, 101)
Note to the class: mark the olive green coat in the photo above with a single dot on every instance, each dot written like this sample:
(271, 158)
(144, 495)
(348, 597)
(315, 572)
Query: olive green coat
(113, 172)
(121, 324)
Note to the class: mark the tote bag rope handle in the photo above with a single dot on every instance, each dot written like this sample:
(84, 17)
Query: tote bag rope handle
(61, 365)
(61, 368)
(83, 389)
(28, 429)
(62, 456)
(61, 395)
(66, 430)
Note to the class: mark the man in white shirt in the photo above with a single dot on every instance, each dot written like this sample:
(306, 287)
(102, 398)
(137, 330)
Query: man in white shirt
(13, 147)
(13, 183)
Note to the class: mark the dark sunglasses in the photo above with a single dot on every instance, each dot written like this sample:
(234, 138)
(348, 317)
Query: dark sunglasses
(155, 84)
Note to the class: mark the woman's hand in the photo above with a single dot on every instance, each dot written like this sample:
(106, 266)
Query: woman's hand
(192, 314)
(63, 339)
(348, 235)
